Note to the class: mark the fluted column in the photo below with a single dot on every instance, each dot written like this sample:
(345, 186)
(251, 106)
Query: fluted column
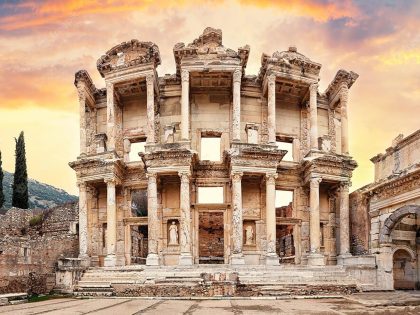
(83, 221)
(344, 121)
(185, 104)
(272, 257)
(313, 111)
(315, 257)
(271, 119)
(153, 220)
(111, 129)
(150, 108)
(82, 109)
(344, 222)
(237, 220)
(185, 223)
(111, 224)
(236, 115)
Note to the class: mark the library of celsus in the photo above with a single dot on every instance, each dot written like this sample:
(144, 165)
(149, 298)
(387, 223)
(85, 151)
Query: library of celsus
(210, 165)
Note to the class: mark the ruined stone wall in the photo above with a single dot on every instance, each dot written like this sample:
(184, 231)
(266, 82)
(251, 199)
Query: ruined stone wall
(31, 241)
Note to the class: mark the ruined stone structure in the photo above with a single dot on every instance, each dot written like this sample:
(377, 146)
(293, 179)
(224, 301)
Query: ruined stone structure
(31, 242)
(386, 215)
(249, 117)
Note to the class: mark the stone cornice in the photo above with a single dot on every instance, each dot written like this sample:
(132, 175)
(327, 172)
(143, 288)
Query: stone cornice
(129, 54)
(342, 77)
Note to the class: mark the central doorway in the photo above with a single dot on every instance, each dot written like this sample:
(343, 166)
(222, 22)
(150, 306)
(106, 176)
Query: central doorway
(211, 237)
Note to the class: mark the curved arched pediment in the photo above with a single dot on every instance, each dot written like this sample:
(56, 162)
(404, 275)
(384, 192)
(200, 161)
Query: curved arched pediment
(128, 54)
(393, 219)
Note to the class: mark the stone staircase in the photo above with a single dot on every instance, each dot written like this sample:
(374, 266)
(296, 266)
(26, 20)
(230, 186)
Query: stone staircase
(215, 280)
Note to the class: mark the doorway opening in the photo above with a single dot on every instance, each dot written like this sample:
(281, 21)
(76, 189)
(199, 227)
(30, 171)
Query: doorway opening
(139, 244)
(211, 237)
(285, 243)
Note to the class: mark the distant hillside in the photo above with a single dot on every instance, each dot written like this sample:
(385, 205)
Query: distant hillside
(40, 195)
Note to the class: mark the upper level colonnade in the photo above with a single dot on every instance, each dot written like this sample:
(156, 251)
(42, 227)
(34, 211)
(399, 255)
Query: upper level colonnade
(206, 65)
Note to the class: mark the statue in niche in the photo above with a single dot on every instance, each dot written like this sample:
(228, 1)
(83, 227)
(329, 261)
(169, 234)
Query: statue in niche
(249, 235)
(173, 234)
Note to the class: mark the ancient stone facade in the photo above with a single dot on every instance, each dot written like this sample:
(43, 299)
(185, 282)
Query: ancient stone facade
(248, 116)
(386, 214)
(31, 242)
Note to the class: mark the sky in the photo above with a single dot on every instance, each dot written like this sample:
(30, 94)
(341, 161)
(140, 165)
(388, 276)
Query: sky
(43, 43)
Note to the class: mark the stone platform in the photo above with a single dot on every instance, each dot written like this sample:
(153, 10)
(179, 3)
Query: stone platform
(216, 280)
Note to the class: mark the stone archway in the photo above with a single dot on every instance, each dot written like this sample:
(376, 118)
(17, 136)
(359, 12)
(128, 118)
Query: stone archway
(393, 219)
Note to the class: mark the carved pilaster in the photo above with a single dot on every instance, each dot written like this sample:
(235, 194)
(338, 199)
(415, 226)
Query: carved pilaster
(344, 219)
(185, 104)
(236, 115)
(153, 219)
(83, 221)
(237, 219)
(344, 91)
(81, 92)
(110, 127)
(271, 255)
(186, 246)
(111, 219)
(271, 81)
(313, 110)
(331, 130)
(150, 78)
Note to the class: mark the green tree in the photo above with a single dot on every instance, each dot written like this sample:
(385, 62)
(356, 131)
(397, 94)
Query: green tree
(20, 179)
(1, 183)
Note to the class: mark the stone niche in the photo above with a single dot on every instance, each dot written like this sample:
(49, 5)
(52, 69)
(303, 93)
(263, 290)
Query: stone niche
(172, 230)
(249, 233)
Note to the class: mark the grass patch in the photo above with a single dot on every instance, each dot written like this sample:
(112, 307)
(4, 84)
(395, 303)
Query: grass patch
(46, 297)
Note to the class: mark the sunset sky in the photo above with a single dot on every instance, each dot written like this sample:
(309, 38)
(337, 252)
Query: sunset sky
(43, 43)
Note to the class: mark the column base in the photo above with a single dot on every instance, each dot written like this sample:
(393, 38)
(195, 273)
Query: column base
(85, 260)
(316, 259)
(152, 260)
(185, 260)
(237, 259)
(272, 259)
(342, 258)
(110, 261)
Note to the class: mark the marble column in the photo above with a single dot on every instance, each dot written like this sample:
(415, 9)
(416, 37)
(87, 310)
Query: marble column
(81, 91)
(185, 105)
(150, 78)
(236, 115)
(344, 223)
(344, 121)
(271, 119)
(83, 221)
(111, 129)
(315, 257)
(237, 257)
(313, 112)
(111, 223)
(153, 220)
(272, 257)
(185, 222)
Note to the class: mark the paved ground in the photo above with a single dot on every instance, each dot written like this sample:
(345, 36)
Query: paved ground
(365, 303)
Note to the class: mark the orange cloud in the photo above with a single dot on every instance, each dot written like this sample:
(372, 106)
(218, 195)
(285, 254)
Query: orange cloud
(314, 9)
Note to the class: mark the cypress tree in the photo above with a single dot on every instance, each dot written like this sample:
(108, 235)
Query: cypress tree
(1, 183)
(20, 179)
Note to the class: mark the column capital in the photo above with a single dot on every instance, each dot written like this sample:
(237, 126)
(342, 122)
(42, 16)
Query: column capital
(315, 181)
(150, 78)
(109, 181)
(82, 185)
(185, 75)
(109, 85)
(151, 175)
(344, 94)
(271, 178)
(313, 87)
(185, 176)
(345, 185)
(236, 176)
(237, 75)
